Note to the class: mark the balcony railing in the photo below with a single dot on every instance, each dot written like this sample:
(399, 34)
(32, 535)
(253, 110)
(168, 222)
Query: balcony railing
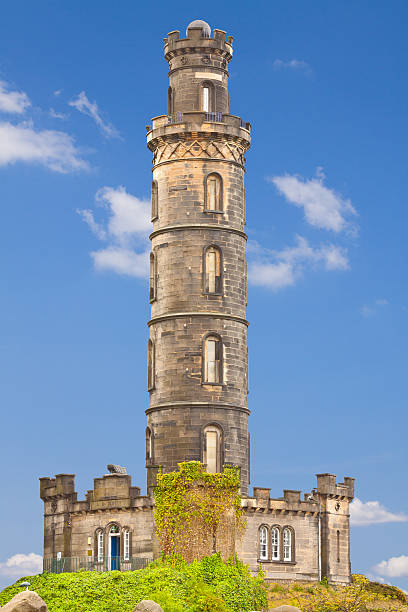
(194, 119)
(215, 117)
(175, 118)
(104, 564)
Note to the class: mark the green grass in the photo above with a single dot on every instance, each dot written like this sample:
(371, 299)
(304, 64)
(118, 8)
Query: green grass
(206, 586)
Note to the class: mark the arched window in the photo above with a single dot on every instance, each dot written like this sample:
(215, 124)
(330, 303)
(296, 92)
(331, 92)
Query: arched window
(153, 278)
(287, 544)
(212, 448)
(275, 543)
(207, 102)
(170, 101)
(212, 359)
(150, 365)
(99, 545)
(126, 545)
(213, 192)
(263, 543)
(212, 270)
(149, 445)
(155, 201)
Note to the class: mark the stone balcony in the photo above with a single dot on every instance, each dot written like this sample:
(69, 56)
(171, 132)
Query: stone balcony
(199, 121)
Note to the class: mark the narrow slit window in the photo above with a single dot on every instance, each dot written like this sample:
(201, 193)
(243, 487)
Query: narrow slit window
(338, 546)
(126, 545)
(213, 276)
(150, 366)
(149, 449)
(155, 201)
(213, 193)
(170, 101)
(152, 290)
(263, 543)
(275, 544)
(212, 360)
(287, 544)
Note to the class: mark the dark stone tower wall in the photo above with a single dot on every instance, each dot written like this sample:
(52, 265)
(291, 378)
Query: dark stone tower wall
(187, 146)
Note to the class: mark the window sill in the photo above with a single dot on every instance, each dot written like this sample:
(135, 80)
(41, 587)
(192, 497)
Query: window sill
(213, 293)
(276, 562)
(214, 212)
(212, 384)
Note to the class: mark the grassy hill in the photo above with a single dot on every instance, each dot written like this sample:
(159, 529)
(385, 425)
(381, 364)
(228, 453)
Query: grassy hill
(207, 586)
(362, 595)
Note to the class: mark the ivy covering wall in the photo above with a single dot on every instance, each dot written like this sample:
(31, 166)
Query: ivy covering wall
(198, 513)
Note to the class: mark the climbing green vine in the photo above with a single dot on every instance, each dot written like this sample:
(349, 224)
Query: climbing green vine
(197, 513)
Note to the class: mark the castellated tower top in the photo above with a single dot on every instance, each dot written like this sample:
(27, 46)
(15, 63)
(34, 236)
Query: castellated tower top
(198, 56)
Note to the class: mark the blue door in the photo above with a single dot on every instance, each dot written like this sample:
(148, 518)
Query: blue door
(115, 553)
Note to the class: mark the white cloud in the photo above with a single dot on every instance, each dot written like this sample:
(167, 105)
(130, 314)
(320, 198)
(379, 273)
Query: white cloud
(56, 115)
(322, 207)
(50, 148)
(370, 310)
(83, 105)
(122, 261)
(279, 269)
(20, 565)
(395, 567)
(13, 101)
(293, 64)
(125, 230)
(372, 513)
(129, 215)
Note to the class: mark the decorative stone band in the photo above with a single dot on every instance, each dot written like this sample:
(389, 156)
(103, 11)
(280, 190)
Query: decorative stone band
(197, 226)
(204, 148)
(184, 64)
(166, 406)
(216, 315)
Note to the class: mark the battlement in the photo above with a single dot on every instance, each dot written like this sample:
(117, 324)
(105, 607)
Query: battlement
(196, 42)
(111, 490)
(291, 499)
(63, 485)
(327, 485)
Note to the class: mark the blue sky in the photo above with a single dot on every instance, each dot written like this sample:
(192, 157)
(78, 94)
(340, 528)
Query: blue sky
(324, 86)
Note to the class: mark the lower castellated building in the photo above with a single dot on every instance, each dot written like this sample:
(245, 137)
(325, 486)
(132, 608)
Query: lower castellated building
(197, 351)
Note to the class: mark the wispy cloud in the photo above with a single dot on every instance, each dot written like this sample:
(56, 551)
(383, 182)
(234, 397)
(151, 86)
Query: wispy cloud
(11, 101)
(124, 229)
(278, 269)
(22, 565)
(56, 115)
(91, 109)
(52, 149)
(293, 64)
(395, 567)
(368, 310)
(323, 207)
(372, 513)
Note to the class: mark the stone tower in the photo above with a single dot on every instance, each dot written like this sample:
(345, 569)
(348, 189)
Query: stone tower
(197, 353)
